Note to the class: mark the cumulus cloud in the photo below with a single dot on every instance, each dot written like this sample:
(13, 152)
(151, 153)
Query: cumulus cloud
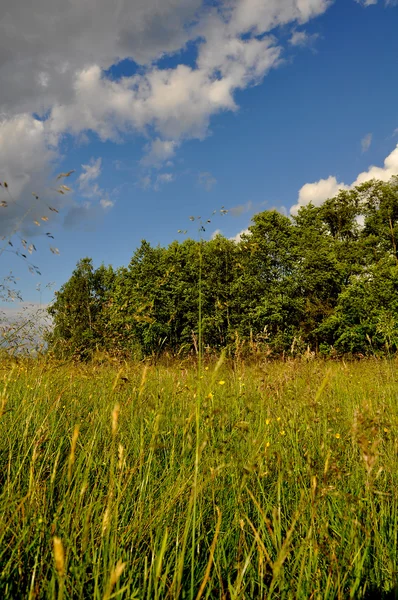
(215, 233)
(55, 58)
(177, 103)
(316, 193)
(261, 16)
(44, 48)
(237, 238)
(43, 45)
(383, 173)
(366, 142)
(27, 151)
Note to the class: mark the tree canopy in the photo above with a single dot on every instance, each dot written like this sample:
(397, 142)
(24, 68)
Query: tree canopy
(326, 279)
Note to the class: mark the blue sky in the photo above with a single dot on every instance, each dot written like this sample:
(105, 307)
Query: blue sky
(247, 104)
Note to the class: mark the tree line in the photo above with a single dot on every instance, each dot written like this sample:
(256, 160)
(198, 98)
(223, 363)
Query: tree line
(324, 280)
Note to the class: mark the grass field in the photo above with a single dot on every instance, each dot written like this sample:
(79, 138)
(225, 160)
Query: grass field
(274, 480)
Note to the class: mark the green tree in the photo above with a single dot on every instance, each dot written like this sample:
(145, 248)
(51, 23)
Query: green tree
(366, 316)
(326, 278)
(78, 311)
(319, 273)
(265, 291)
(138, 311)
(380, 231)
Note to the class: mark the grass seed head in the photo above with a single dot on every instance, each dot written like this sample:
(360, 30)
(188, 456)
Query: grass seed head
(120, 457)
(59, 556)
(115, 418)
(106, 520)
(117, 571)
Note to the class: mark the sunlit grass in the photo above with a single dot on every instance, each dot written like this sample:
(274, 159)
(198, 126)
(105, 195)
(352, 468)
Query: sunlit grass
(294, 494)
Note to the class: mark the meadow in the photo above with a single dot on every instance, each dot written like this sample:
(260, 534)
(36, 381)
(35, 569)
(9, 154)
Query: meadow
(238, 481)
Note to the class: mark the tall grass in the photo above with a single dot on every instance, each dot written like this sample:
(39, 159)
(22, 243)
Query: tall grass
(286, 481)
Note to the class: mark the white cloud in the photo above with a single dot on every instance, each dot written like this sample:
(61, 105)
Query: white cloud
(373, 2)
(91, 172)
(44, 46)
(302, 38)
(60, 51)
(237, 238)
(25, 147)
(165, 178)
(159, 151)
(316, 193)
(177, 103)
(27, 151)
(319, 191)
(89, 188)
(162, 179)
(259, 16)
(49, 41)
(151, 182)
(383, 173)
(106, 203)
(366, 142)
(215, 234)
(366, 2)
(53, 61)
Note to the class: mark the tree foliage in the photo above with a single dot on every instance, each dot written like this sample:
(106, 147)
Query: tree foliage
(79, 310)
(326, 280)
